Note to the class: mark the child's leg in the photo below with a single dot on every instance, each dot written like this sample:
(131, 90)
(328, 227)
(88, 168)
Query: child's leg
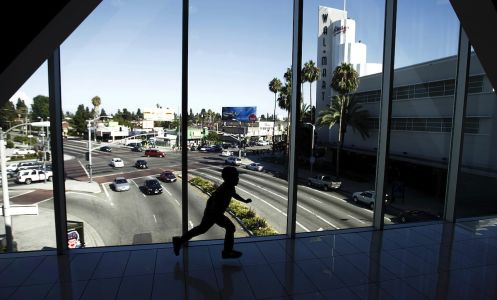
(229, 238)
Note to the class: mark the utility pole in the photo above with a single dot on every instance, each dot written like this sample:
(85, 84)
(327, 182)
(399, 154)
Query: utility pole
(89, 150)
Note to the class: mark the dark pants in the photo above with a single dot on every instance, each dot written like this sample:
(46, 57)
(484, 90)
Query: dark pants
(206, 224)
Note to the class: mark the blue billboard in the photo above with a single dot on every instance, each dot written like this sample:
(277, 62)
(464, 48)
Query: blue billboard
(244, 114)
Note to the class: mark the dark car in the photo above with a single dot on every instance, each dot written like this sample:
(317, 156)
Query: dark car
(154, 153)
(137, 149)
(152, 186)
(106, 149)
(141, 164)
(416, 216)
(167, 176)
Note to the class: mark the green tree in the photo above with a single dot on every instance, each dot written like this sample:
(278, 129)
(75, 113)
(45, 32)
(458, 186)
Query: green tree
(40, 108)
(103, 113)
(8, 115)
(344, 109)
(78, 122)
(22, 109)
(274, 87)
(212, 136)
(310, 73)
(139, 114)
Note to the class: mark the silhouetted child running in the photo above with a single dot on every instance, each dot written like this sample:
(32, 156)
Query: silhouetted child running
(214, 214)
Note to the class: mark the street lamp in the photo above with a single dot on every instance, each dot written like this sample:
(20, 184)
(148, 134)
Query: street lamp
(312, 159)
(43, 145)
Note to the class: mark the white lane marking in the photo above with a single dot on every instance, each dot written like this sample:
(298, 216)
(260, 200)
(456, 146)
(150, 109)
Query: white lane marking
(21, 194)
(355, 219)
(134, 183)
(177, 201)
(155, 219)
(191, 223)
(84, 194)
(323, 193)
(264, 201)
(107, 194)
(84, 169)
(327, 222)
(316, 200)
(167, 191)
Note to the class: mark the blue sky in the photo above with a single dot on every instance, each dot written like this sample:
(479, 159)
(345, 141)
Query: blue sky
(129, 52)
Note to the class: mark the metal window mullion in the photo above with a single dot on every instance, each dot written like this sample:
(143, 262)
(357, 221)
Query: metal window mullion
(295, 112)
(385, 109)
(184, 119)
(57, 155)
(456, 143)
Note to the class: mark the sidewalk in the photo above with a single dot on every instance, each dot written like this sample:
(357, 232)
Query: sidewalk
(71, 185)
(413, 200)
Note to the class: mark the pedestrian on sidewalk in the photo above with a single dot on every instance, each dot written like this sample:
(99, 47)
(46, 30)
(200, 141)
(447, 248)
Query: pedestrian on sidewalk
(214, 214)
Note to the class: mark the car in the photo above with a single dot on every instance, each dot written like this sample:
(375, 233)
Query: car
(20, 151)
(106, 149)
(154, 153)
(137, 149)
(12, 167)
(255, 167)
(233, 160)
(262, 143)
(324, 182)
(141, 164)
(152, 187)
(367, 197)
(121, 184)
(116, 162)
(167, 176)
(28, 176)
(416, 216)
(227, 153)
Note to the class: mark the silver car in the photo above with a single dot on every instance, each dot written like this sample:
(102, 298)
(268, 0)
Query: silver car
(121, 184)
(255, 167)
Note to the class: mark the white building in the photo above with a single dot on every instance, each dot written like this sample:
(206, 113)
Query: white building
(337, 44)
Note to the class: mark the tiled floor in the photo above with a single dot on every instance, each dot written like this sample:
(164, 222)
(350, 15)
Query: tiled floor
(433, 261)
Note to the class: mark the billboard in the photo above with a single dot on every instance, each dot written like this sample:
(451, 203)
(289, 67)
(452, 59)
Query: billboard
(244, 114)
(158, 114)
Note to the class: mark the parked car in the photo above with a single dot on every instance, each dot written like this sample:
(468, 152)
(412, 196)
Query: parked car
(20, 151)
(12, 167)
(106, 149)
(28, 176)
(141, 164)
(154, 153)
(262, 143)
(255, 167)
(152, 186)
(116, 162)
(324, 182)
(416, 216)
(121, 184)
(367, 197)
(167, 176)
(233, 160)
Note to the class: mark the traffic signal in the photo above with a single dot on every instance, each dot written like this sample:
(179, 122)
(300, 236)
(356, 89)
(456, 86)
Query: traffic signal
(87, 155)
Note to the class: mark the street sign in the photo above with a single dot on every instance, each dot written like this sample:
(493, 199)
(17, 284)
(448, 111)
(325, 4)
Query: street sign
(312, 159)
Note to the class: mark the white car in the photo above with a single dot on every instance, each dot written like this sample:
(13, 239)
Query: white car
(255, 167)
(117, 162)
(366, 197)
(227, 153)
(262, 143)
(20, 151)
(233, 160)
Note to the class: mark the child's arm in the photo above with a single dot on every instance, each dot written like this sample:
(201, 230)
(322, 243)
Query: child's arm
(239, 198)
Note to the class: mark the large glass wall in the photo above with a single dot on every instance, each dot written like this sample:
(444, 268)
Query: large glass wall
(28, 187)
(422, 107)
(236, 113)
(121, 97)
(478, 172)
(334, 186)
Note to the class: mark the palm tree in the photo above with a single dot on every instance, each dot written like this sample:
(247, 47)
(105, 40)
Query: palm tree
(310, 73)
(274, 87)
(96, 101)
(344, 110)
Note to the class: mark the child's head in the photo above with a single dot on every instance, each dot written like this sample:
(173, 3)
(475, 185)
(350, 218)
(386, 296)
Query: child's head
(230, 175)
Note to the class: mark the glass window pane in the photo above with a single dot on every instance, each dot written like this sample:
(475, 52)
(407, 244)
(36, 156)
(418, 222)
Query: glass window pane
(121, 95)
(478, 173)
(356, 39)
(425, 59)
(28, 186)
